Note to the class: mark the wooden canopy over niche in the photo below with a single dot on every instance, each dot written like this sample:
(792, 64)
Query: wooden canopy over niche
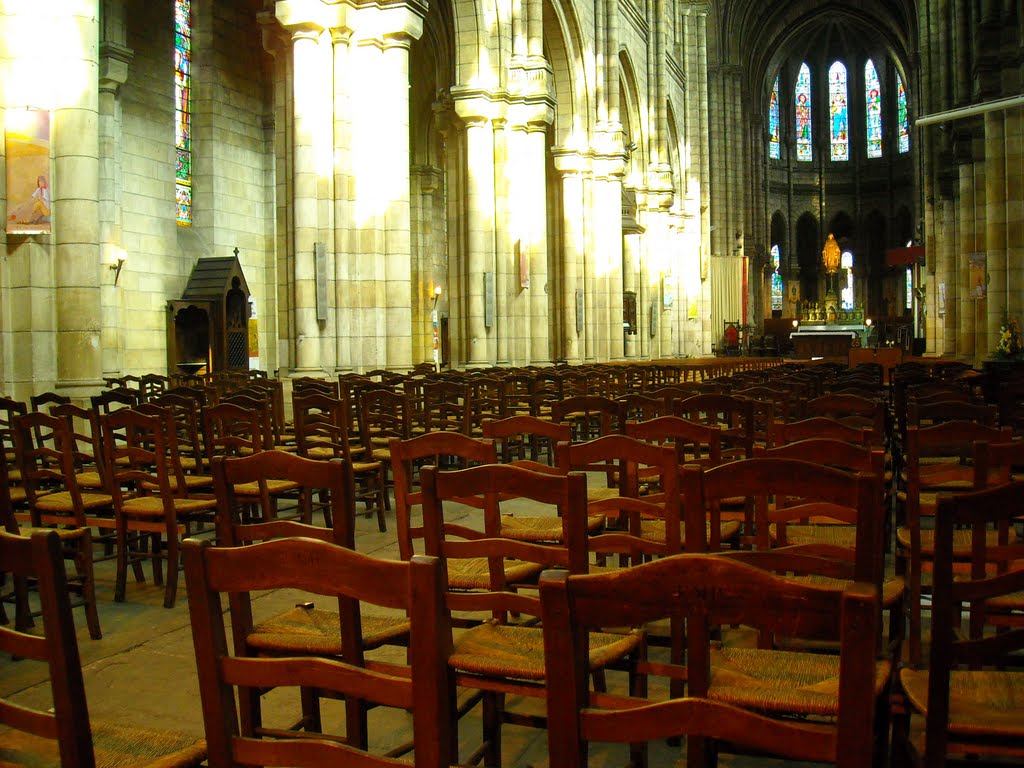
(207, 329)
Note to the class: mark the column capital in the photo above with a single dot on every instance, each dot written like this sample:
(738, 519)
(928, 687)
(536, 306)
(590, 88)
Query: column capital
(114, 62)
(387, 24)
(308, 17)
(571, 162)
(475, 107)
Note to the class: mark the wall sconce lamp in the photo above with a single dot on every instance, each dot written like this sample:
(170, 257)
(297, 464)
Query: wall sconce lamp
(437, 295)
(116, 267)
(868, 322)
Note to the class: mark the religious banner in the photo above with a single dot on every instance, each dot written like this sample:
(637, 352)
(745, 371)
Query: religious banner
(29, 199)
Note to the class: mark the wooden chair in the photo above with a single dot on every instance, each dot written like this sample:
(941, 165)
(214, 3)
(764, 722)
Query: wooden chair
(524, 437)
(590, 416)
(232, 429)
(972, 692)
(783, 432)
(503, 657)
(151, 511)
(423, 686)
(936, 459)
(783, 490)
(60, 731)
(709, 592)
(304, 630)
(46, 457)
(735, 416)
(321, 433)
(443, 449)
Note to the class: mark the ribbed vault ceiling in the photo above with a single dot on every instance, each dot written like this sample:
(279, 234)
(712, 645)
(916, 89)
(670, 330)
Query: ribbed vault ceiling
(758, 35)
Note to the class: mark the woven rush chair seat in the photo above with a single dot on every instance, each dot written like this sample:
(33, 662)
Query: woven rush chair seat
(114, 746)
(474, 573)
(892, 589)
(509, 650)
(318, 633)
(783, 682)
(542, 529)
(838, 535)
(961, 540)
(980, 703)
(60, 501)
(654, 530)
(153, 506)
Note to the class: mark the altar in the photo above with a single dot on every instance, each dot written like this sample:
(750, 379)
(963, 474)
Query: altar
(827, 340)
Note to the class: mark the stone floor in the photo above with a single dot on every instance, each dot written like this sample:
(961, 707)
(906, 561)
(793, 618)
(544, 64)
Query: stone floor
(143, 671)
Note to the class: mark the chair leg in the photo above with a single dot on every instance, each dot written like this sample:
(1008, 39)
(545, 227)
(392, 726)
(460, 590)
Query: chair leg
(123, 545)
(173, 564)
(493, 706)
(84, 569)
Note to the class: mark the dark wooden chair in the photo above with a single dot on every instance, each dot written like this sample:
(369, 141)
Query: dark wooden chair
(709, 592)
(443, 449)
(321, 432)
(48, 471)
(151, 511)
(304, 630)
(423, 686)
(523, 437)
(972, 693)
(60, 731)
(503, 656)
(936, 459)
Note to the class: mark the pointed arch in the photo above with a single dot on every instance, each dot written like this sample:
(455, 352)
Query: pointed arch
(563, 48)
(902, 118)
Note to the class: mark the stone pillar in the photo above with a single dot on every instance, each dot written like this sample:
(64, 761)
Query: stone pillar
(1015, 212)
(570, 166)
(505, 333)
(965, 303)
(345, 314)
(114, 61)
(995, 224)
(76, 170)
(479, 214)
(307, 102)
(945, 275)
(538, 312)
(372, 110)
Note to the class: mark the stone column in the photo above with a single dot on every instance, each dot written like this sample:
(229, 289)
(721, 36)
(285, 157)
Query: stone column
(479, 225)
(378, 253)
(114, 61)
(995, 223)
(345, 313)
(965, 303)
(76, 171)
(945, 275)
(570, 166)
(307, 101)
(1015, 212)
(505, 331)
(538, 312)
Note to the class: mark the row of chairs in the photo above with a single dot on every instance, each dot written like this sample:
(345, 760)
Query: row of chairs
(712, 591)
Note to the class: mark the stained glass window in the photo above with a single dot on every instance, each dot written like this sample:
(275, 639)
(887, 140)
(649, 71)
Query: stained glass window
(182, 109)
(803, 114)
(837, 112)
(901, 114)
(774, 143)
(873, 109)
(776, 279)
(910, 288)
(846, 293)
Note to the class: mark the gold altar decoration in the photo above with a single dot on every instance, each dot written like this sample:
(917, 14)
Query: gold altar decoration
(830, 255)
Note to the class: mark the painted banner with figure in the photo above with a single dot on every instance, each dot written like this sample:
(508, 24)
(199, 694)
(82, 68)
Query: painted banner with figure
(29, 199)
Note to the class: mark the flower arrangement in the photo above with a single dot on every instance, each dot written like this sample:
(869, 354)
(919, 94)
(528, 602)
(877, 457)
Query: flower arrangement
(1009, 344)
